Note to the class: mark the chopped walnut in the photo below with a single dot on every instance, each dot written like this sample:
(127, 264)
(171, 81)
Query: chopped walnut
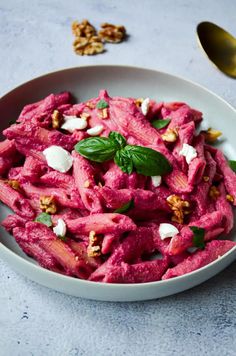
(56, 119)
(112, 33)
(214, 193)
(94, 246)
(138, 102)
(86, 184)
(48, 204)
(206, 178)
(211, 135)
(85, 115)
(170, 135)
(230, 198)
(179, 207)
(83, 29)
(104, 113)
(88, 46)
(14, 184)
(90, 105)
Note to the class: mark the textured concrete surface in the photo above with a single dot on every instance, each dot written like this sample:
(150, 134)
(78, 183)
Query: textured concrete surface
(35, 38)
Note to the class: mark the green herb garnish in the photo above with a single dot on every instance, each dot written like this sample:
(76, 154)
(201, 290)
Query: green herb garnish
(160, 124)
(198, 236)
(45, 219)
(232, 165)
(102, 104)
(63, 238)
(143, 160)
(124, 208)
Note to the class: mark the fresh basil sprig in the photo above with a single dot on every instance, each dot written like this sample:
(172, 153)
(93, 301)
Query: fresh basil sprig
(102, 104)
(45, 219)
(160, 124)
(144, 160)
(124, 208)
(232, 165)
(198, 236)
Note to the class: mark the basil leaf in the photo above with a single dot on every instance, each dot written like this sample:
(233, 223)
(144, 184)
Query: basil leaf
(147, 161)
(102, 104)
(160, 124)
(62, 238)
(124, 161)
(45, 219)
(97, 149)
(232, 165)
(198, 236)
(118, 138)
(124, 208)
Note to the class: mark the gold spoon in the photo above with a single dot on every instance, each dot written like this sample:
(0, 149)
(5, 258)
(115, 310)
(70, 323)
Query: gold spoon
(219, 46)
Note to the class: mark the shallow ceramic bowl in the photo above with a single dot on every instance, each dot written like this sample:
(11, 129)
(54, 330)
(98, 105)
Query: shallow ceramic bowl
(84, 83)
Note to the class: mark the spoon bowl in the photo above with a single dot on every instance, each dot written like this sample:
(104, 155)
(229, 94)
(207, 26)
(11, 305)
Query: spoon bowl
(219, 46)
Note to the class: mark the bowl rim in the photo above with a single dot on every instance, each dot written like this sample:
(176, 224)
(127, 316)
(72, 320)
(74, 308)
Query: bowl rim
(64, 278)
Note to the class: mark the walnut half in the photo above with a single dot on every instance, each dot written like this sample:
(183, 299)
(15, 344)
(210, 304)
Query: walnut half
(83, 29)
(88, 46)
(112, 33)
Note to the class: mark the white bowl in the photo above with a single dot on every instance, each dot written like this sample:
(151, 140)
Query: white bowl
(84, 83)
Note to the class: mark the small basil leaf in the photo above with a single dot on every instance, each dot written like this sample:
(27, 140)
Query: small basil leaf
(124, 161)
(124, 208)
(232, 165)
(102, 104)
(118, 138)
(198, 236)
(97, 149)
(45, 219)
(62, 238)
(147, 161)
(160, 124)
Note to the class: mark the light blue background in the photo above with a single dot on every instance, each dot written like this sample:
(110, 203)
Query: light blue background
(35, 38)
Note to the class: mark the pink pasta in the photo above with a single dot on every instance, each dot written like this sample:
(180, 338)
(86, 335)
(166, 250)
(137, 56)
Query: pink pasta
(108, 213)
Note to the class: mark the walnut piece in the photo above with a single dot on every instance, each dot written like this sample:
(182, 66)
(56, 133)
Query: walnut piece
(48, 204)
(88, 46)
(94, 246)
(179, 207)
(211, 135)
(56, 119)
(112, 33)
(86, 184)
(214, 193)
(104, 113)
(85, 115)
(83, 29)
(206, 178)
(170, 135)
(138, 102)
(14, 184)
(230, 198)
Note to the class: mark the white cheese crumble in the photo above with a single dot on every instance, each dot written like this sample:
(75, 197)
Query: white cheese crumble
(188, 152)
(167, 230)
(156, 181)
(96, 130)
(145, 106)
(58, 158)
(73, 123)
(60, 228)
